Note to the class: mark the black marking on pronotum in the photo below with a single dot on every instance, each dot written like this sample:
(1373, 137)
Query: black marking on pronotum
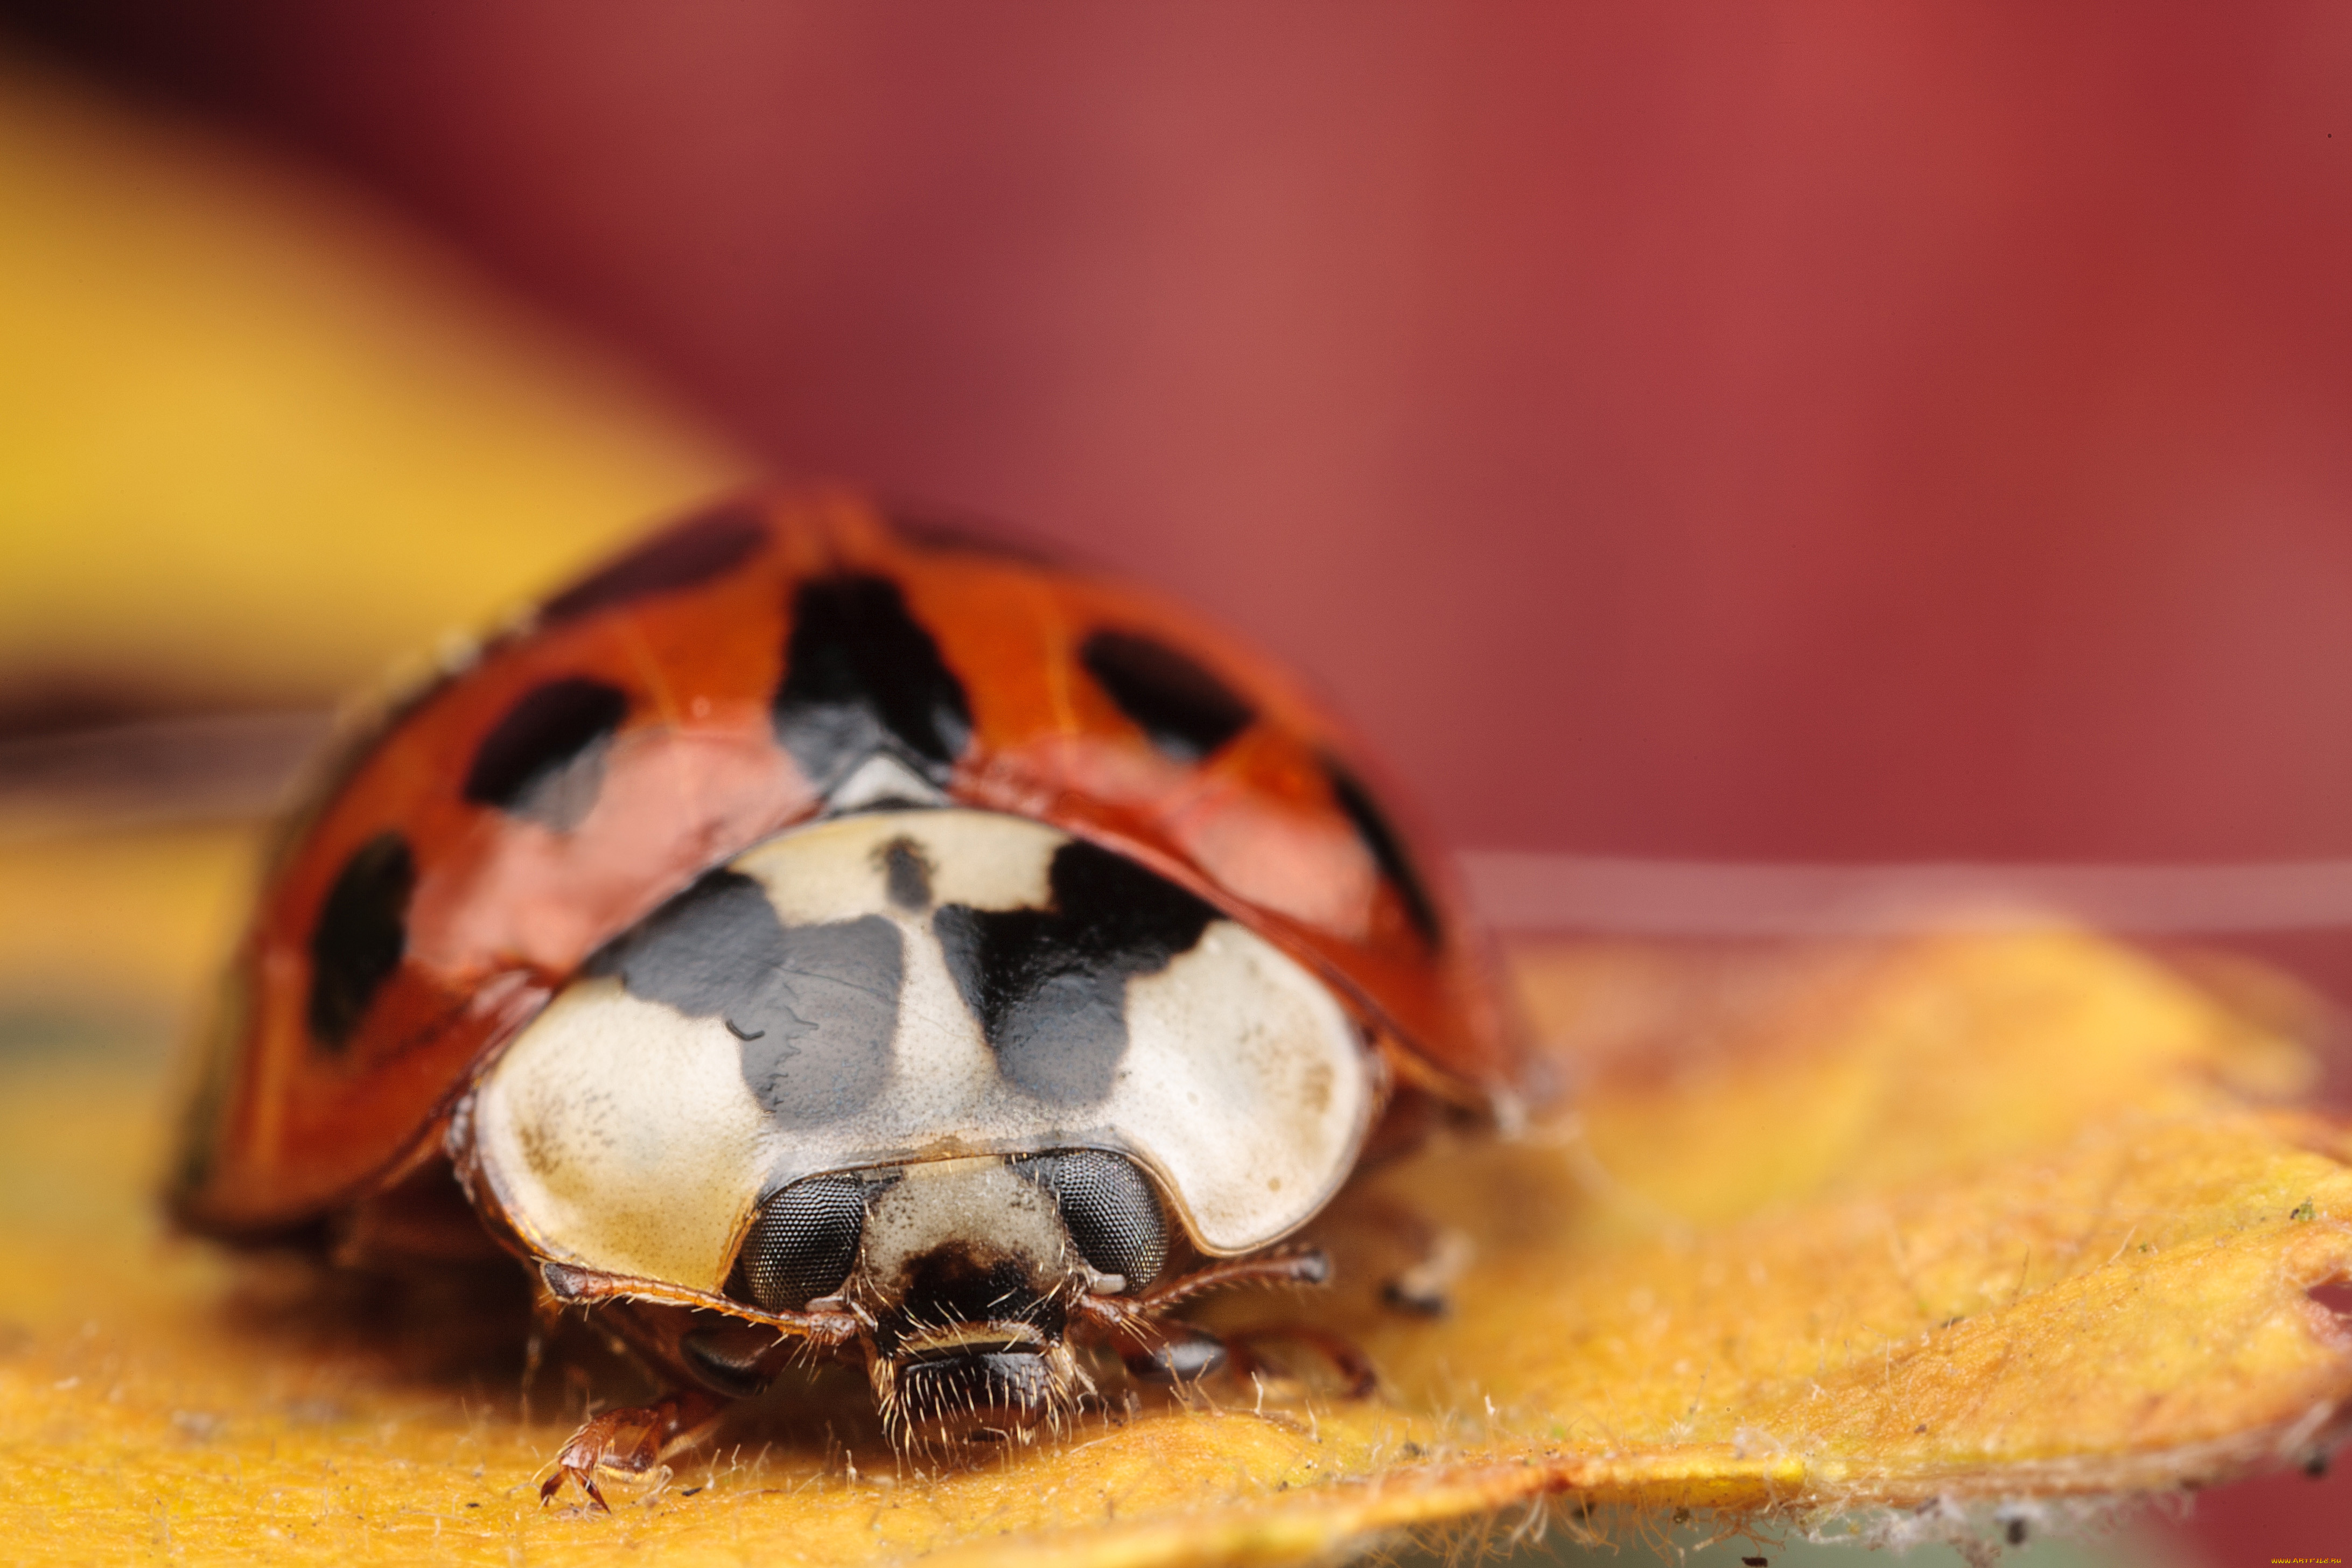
(363, 932)
(814, 1006)
(907, 874)
(861, 675)
(545, 759)
(1386, 848)
(1181, 706)
(1049, 986)
(695, 550)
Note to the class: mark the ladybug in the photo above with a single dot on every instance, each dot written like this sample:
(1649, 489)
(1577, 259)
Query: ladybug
(812, 934)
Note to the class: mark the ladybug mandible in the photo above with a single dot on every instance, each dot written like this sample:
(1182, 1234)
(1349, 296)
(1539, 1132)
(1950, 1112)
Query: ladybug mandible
(808, 933)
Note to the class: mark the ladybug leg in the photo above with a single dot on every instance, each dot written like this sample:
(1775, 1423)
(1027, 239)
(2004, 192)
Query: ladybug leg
(546, 1320)
(1352, 1364)
(1161, 1350)
(1175, 1353)
(1420, 1289)
(1308, 1266)
(631, 1442)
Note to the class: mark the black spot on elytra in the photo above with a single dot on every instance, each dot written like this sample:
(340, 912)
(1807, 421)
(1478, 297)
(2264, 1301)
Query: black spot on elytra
(545, 759)
(1049, 986)
(1183, 709)
(862, 675)
(814, 1005)
(907, 874)
(1387, 849)
(695, 551)
(362, 933)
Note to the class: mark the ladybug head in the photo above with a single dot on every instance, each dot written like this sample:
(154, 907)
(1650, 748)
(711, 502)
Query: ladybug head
(967, 1272)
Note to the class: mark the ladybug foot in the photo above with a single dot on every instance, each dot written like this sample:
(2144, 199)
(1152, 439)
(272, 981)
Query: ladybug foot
(1359, 1378)
(1424, 1289)
(630, 1442)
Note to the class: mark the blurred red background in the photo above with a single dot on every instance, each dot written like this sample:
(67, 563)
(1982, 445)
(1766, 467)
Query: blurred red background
(1831, 431)
(1836, 431)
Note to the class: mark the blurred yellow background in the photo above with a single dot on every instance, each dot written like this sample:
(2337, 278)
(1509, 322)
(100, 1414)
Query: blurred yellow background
(256, 437)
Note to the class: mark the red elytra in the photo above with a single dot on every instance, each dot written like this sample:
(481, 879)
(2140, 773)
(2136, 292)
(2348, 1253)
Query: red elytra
(1086, 705)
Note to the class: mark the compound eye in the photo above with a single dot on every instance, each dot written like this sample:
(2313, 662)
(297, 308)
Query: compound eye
(803, 1244)
(1109, 1209)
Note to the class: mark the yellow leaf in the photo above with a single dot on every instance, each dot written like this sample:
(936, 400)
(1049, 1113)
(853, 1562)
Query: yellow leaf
(1987, 1272)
